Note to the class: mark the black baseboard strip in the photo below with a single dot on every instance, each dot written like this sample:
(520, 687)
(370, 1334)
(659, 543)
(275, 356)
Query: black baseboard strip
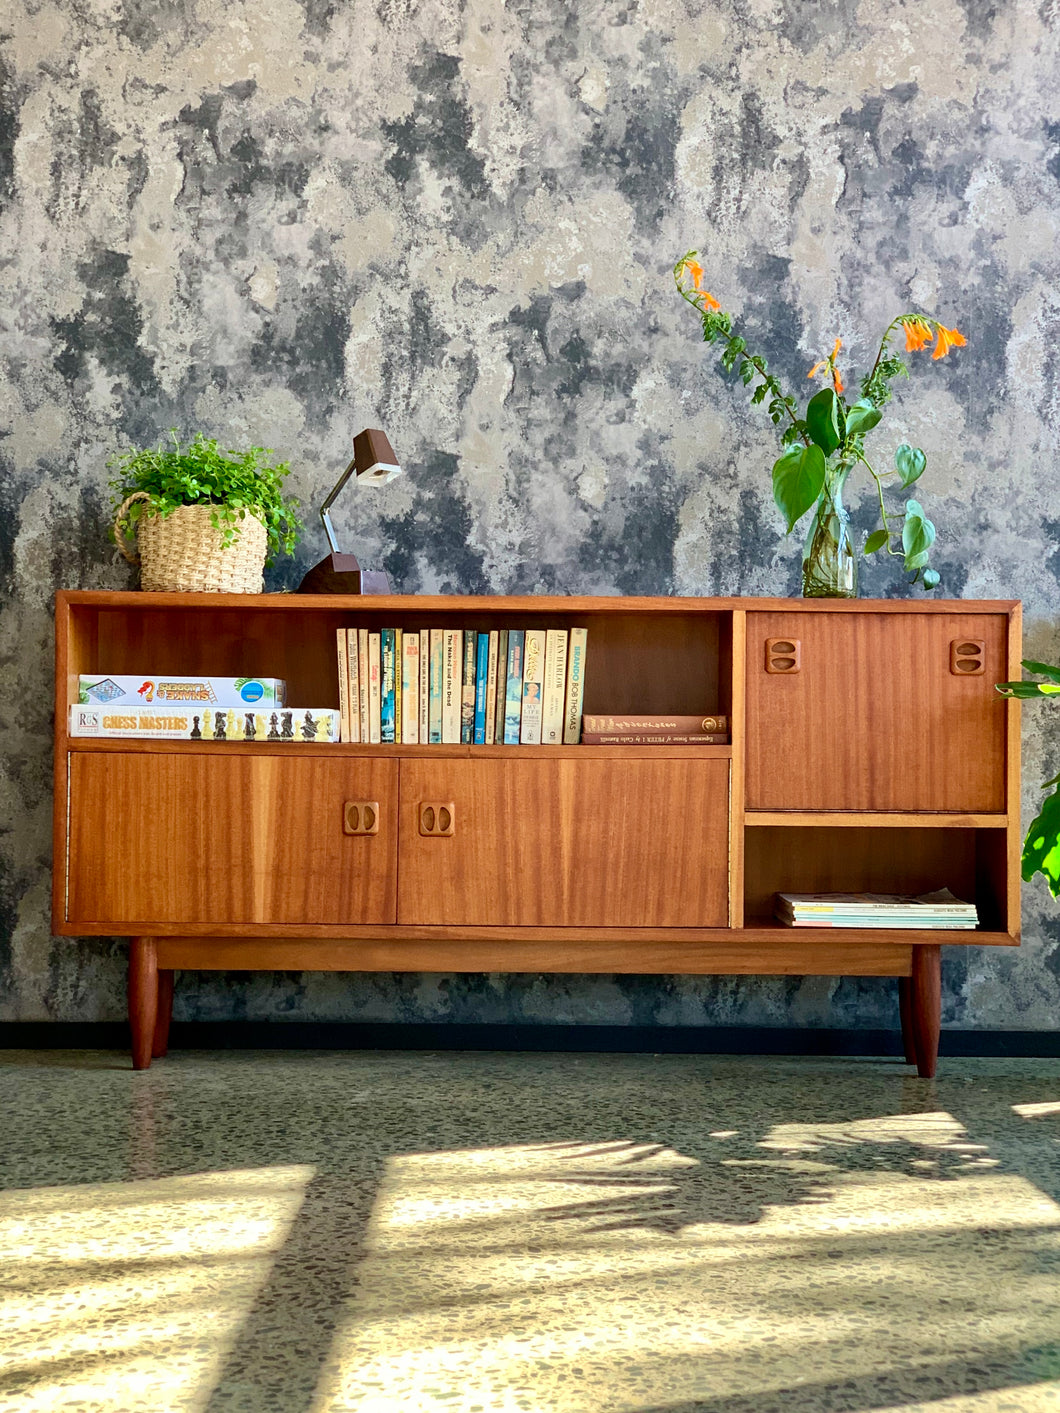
(605, 1039)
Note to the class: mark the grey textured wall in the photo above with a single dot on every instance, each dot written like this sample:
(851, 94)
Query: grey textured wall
(281, 221)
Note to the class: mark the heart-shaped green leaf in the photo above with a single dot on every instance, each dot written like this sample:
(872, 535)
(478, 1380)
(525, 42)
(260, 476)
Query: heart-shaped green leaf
(798, 479)
(876, 541)
(931, 578)
(862, 417)
(1041, 848)
(910, 462)
(918, 535)
(824, 420)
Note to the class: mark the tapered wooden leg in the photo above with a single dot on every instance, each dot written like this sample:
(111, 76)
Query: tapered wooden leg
(905, 1011)
(926, 1007)
(143, 999)
(164, 1016)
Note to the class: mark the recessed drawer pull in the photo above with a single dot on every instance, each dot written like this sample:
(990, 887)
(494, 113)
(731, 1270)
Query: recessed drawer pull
(436, 821)
(783, 655)
(360, 817)
(967, 657)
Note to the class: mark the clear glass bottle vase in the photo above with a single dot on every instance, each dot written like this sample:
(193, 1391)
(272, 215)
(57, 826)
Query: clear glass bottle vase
(829, 560)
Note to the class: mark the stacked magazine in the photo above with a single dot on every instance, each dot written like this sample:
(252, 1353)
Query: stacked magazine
(927, 910)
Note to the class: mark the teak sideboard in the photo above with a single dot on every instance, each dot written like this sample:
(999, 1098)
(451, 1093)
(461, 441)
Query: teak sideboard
(869, 751)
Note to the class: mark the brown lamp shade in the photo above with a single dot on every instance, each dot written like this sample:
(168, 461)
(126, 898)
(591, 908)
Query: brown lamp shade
(373, 461)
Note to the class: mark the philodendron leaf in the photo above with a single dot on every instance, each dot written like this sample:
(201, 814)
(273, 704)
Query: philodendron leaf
(910, 462)
(862, 417)
(824, 420)
(918, 535)
(1028, 689)
(931, 578)
(798, 479)
(876, 541)
(1041, 848)
(1043, 669)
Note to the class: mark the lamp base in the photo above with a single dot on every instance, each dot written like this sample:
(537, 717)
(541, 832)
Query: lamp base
(341, 574)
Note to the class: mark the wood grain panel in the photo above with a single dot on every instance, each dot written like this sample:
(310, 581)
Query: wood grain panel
(874, 719)
(211, 838)
(780, 955)
(606, 843)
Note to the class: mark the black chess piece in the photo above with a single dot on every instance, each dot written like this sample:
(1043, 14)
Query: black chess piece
(309, 727)
(219, 720)
(273, 735)
(196, 734)
(287, 730)
(251, 730)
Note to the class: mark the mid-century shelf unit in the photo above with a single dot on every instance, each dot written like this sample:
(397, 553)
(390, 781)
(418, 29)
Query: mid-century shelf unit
(869, 752)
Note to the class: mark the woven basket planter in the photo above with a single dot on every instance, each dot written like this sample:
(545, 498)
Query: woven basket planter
(182, 552)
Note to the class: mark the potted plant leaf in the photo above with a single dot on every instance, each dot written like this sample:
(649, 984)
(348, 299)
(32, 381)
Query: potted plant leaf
(1041, 848)
(205, 519)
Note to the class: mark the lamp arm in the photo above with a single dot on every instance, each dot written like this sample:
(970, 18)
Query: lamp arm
(330, 501)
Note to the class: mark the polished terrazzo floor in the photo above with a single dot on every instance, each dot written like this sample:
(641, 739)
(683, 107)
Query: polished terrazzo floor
(375, 1232)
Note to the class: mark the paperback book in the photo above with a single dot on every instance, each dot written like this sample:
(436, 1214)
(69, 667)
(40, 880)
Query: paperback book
(513, 696)
(533, 679)
(572, 715)
(652, 725)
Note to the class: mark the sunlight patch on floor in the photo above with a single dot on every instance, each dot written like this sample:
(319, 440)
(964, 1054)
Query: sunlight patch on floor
(613, 1277)
(129, 1294)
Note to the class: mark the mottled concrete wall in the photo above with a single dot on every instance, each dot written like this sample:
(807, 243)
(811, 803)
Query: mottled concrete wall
(282, 221)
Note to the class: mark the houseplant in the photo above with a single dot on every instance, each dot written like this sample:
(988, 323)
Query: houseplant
(204, 519)
(1041, 848)
(827, 440)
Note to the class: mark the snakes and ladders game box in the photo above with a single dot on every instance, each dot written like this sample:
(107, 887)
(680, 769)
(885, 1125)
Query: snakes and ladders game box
(271, 725)
(171, 690)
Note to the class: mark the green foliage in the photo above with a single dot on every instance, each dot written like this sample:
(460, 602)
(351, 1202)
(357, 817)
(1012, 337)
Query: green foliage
(798, 479)
(235, 483)
(830, 435)
(1041, 848)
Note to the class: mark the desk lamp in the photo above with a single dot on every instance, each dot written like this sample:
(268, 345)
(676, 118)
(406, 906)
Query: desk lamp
(374, 462)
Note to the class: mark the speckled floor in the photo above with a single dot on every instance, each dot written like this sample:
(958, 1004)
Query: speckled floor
(370, 1232)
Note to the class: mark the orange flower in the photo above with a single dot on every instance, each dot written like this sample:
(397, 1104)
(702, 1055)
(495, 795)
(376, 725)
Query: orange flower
(947, 339)
(837, 382)
(695, 269)
(709, 302)
(828, 363)
(917, 335)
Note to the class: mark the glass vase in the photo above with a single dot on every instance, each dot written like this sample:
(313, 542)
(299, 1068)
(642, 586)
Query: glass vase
(829, 560)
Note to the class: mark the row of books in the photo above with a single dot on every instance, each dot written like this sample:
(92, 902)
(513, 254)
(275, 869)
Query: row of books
(446, 686)
(941, 910)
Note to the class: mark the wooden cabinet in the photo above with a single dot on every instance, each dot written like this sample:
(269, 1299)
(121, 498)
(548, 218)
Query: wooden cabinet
(566, 843)
(876, 711)
(868, 751)
(202, 838)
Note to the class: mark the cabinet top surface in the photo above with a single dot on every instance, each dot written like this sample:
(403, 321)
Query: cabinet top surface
(526, 603)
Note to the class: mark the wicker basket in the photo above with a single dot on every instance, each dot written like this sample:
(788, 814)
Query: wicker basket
(182, 552)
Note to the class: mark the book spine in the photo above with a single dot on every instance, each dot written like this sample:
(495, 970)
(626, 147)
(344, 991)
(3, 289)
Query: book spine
(552, 695)
(572, 713)
(344, 684)
(467, 698)
(398, 702)
(375, 689)
(533, 680)
(513, 688)
(675, 738)
(410, 689)
(425, 687)
(436, 673)
(386, 687)
(362, 664)
(451, 685)
(482, 658)
(656, 725)
(502, 684)
(491, 687)
(353, 674)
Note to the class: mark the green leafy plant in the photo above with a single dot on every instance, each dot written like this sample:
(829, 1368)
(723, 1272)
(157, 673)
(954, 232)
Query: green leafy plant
(1041, 848)
(828, 437)
(234, 483)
